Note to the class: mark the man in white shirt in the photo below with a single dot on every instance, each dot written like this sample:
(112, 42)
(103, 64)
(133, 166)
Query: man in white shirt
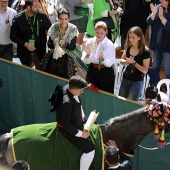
(6, 16)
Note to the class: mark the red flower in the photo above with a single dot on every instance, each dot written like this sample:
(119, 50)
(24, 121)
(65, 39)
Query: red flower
(93, 87)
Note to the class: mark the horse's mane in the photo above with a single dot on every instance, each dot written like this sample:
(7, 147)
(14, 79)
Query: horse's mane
(125, 116)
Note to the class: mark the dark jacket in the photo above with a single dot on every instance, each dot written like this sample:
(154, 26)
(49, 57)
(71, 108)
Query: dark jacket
(126, 163)
(134, 15)
(21, 33)
(165, 36)
(69, 113)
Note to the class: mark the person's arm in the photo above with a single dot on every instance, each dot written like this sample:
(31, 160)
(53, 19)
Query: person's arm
(164, 21)
(72, 45)
(149, 20)
(154, 10)
(69, 46)
(11, 17)
(8, 19)
(126, 161)
(144, 68)
(86, 55)
(14, 33)
(65, 117)
(123, 59)
(146, 61)
(50, 43)
(47, 22)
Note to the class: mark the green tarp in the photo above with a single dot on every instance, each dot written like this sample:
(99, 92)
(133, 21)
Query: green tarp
(43, 147)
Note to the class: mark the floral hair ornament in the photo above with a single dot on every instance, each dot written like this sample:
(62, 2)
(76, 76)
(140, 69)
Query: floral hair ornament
(160, 114)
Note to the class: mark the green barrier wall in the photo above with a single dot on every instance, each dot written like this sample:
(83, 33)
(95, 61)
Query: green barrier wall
(24, 100)
(25, 93)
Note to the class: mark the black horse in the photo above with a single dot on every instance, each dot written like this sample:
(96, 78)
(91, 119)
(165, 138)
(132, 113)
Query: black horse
(128, 130)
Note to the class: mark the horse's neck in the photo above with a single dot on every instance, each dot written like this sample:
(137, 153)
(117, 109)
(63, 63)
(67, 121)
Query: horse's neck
(128, 132)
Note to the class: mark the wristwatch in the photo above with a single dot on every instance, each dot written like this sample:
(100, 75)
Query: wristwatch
(162, 19)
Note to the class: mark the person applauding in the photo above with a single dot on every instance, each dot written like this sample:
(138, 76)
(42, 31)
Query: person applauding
(137, 58)
(99, 52)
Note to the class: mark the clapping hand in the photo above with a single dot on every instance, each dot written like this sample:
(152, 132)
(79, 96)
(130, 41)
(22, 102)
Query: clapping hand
(62, 42)
(130, 60)
(30, 46)
(153, 8)
(86, 48)
(100, 57)
(56, 41)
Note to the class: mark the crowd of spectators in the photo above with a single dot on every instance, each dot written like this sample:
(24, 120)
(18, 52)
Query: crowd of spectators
(27, 31)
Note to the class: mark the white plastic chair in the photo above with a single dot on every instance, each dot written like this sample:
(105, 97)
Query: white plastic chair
(145, 85)
(117, 43)
(167, 83)
(118, 69)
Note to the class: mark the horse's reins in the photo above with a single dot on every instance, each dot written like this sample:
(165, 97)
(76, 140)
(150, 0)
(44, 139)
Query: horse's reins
(151, 149)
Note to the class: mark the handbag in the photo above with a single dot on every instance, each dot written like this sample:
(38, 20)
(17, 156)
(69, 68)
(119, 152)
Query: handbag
(81, 11)
(108, 20)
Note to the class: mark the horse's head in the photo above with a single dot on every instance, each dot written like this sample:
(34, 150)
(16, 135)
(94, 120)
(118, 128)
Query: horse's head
(160, 114)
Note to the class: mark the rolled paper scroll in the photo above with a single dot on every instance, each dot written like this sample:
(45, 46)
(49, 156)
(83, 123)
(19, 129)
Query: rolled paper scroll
(90, 121)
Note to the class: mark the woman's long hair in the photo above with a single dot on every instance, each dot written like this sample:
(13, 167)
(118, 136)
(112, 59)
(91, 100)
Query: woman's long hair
(141, 43)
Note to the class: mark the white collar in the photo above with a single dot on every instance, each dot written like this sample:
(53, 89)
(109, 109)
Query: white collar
(114, 167)
(103, 41)
(76, 98)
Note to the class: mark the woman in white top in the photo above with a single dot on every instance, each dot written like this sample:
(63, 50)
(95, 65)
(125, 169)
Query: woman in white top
(99, 53)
